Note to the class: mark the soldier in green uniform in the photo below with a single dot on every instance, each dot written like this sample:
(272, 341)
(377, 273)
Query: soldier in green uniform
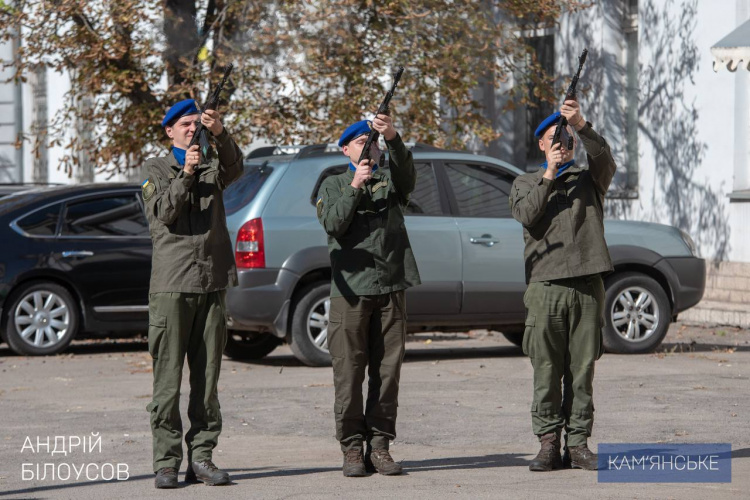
(362, 211)
(561, 209)
(192, 265)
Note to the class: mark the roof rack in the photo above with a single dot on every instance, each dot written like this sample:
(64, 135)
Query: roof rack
(310, 151)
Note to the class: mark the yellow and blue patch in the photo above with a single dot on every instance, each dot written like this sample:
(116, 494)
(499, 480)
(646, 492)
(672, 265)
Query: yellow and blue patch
(148, 189)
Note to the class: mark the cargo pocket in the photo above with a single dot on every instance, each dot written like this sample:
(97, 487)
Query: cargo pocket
(527, 333)
(157, 335)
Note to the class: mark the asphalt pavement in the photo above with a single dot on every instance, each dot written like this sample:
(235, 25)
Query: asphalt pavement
(464, 427)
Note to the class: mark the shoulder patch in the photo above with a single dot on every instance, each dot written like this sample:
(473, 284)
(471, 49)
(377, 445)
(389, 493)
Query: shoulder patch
(148, 188)
(319, 206)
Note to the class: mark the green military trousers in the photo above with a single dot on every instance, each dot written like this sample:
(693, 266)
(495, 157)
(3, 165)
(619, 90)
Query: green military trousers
(180, 324)
(563, 339)
(366, 332)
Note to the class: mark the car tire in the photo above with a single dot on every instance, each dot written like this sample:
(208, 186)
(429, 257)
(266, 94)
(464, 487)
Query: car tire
(309, 341)
(42, 319)
(514, 338)
(243, 345)
(635, 306)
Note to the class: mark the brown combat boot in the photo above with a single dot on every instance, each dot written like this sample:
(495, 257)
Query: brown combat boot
(580, 457)
(380, 460)
(354, 465)
(549, 455)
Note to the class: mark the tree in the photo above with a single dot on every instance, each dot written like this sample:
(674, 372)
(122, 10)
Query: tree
(303, 70)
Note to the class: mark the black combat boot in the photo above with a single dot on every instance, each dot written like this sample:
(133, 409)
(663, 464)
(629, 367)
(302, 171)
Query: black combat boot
(580, 457)
(354, 465)
(166, 477)
(205, 471)
(380, 460)
(548, 457)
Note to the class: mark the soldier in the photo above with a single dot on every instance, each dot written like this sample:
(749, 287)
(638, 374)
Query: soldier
(192, 265)
(561, 209)
(372, 264)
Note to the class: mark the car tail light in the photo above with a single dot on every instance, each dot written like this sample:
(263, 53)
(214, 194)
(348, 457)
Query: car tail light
(250, 251)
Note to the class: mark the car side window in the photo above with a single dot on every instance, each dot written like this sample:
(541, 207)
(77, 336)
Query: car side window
(480, 190)
(42, 222)
(425, 199)
(119, 215)
(338, 169)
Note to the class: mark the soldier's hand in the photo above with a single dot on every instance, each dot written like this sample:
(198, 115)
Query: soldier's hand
(362, 174)
(192, 159)
(384, 125)
(554, 160)
(211, 119)
(571, 110)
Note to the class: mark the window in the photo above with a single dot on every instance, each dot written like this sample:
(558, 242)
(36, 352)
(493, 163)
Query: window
(243, 191)
(42, 222)
(544, 49)
(425, 200)
(480, 191)
(119, 215)
(625, 181)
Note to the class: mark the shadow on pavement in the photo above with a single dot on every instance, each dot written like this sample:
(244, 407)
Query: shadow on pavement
(683, 347)
(414, 354)
(485, 462)
(236, 475)
(85, 347)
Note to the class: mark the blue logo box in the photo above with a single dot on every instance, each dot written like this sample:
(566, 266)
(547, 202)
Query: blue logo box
(665, 463)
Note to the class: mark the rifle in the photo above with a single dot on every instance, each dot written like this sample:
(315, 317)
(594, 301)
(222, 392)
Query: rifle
(570, 94)
(382, 109)
(201, 132)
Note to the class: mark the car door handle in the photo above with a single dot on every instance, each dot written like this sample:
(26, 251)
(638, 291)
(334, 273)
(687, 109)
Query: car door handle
(77, 253)
(485, 239)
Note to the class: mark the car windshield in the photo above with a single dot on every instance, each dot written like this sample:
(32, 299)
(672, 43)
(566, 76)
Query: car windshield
(243, 191)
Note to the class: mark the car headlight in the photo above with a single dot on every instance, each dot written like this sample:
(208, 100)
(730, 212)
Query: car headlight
(689, 242)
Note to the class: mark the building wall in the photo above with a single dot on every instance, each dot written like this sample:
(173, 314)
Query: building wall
(684, 117)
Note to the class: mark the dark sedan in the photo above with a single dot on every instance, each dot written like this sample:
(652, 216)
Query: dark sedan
(57, 245)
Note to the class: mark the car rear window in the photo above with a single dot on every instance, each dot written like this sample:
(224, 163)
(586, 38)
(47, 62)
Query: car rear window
(243, 191)
(42, 222)
(119, 215)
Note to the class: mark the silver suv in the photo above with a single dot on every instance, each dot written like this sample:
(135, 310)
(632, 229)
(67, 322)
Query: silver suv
(468, 248)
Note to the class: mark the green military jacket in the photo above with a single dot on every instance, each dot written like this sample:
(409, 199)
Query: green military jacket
(367, 239)
(192, 251)
(562, 220)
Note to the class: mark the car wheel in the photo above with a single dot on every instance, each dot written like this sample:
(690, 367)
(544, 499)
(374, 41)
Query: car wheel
(42, 319)
(310, 325)
(250, 345)
(637, 314)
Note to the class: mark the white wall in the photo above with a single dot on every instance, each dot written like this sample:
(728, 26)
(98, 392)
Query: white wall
(686, 113)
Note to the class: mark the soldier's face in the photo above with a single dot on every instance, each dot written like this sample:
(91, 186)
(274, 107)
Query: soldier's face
(545, 143)
(354, 149)
(182, 131)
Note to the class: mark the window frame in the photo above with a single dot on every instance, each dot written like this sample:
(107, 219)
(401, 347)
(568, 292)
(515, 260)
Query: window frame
(95, 196)
(455, 212)
(441, 190)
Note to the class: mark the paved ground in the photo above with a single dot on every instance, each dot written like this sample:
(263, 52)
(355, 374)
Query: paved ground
(464, 428)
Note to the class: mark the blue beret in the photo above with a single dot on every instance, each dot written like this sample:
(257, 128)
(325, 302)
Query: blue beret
(549, 121)
(353, 131)
(182, 108)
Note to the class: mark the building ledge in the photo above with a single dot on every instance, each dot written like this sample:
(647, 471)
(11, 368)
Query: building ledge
(742, 196)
